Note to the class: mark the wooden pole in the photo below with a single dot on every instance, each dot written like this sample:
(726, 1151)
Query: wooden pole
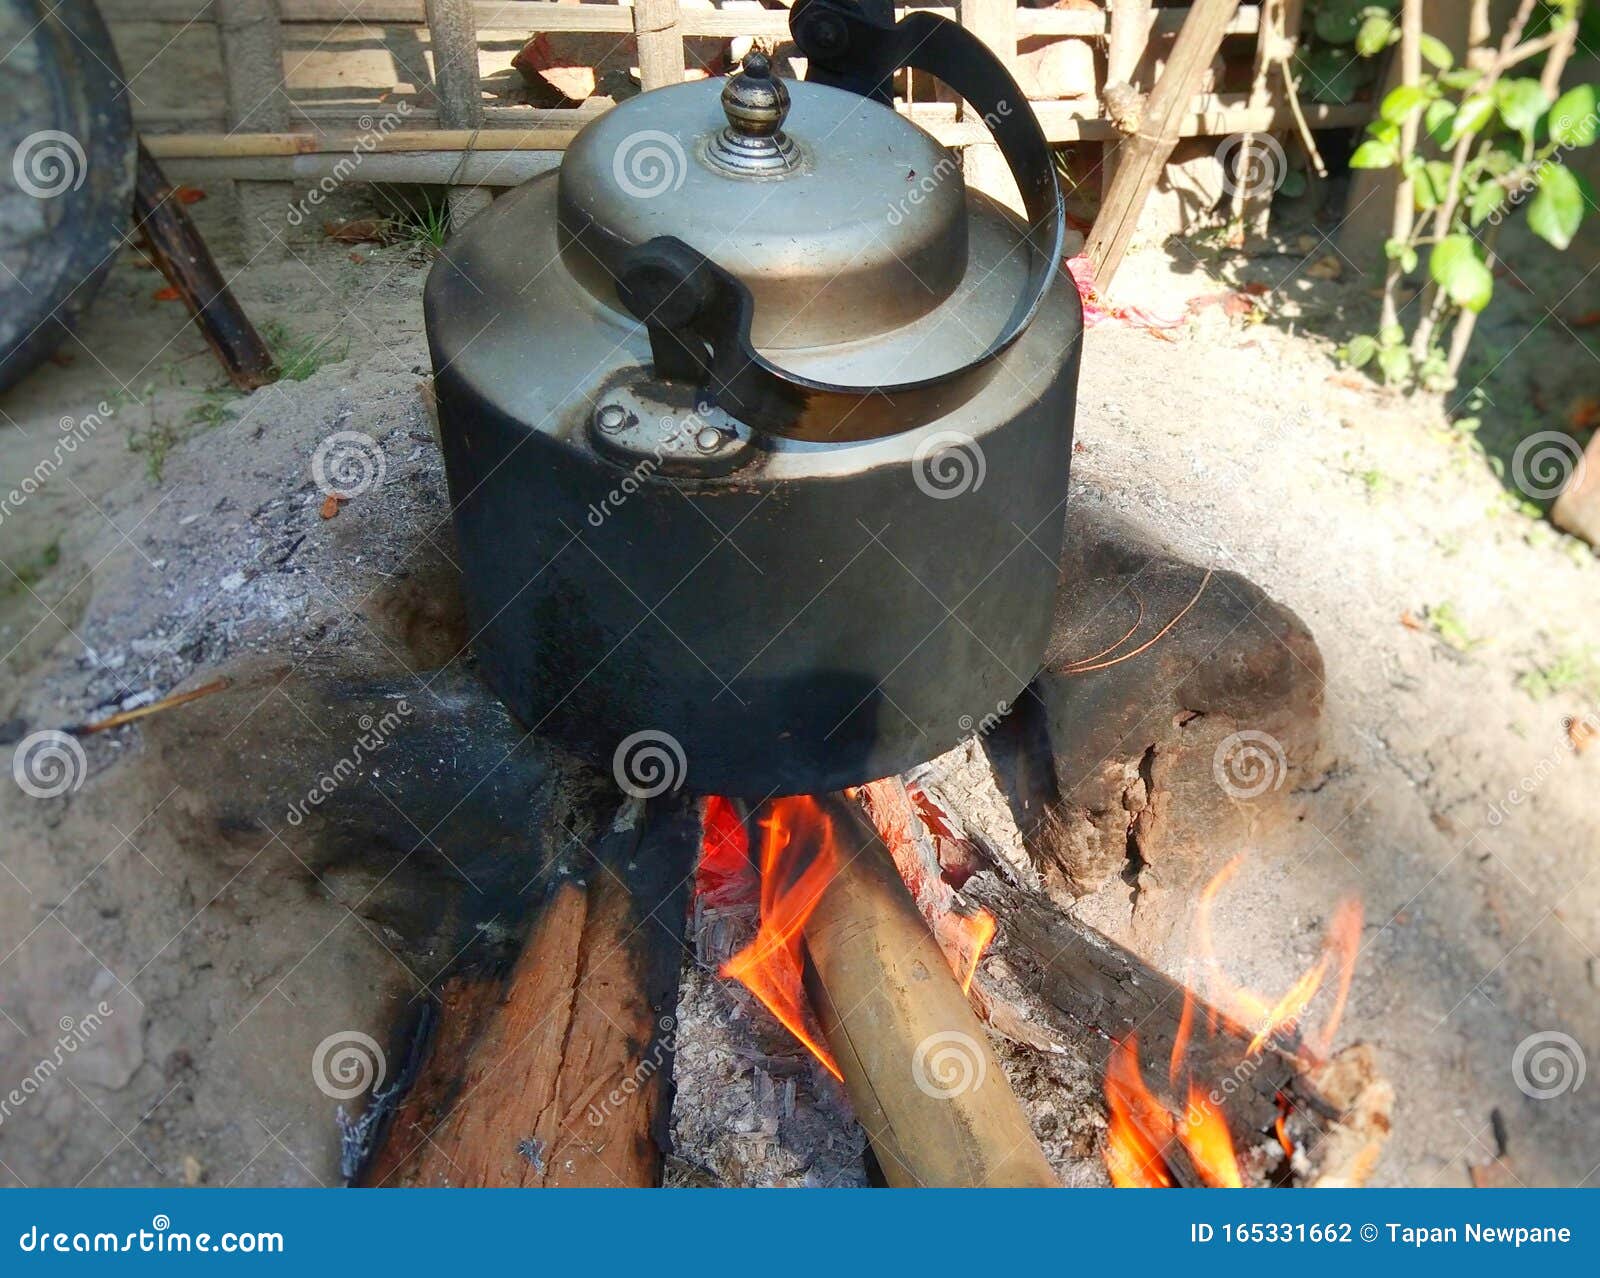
(176, 247)
(561, 1072)
(1160, 126)
(258, 101)
(1127, 49)
(655, 26)
(1404, 193)
(995, 23)
(453, 40)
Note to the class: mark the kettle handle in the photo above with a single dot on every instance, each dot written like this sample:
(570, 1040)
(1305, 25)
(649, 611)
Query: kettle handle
(699, 315)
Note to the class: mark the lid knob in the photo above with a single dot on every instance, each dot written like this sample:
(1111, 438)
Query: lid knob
(756, 104)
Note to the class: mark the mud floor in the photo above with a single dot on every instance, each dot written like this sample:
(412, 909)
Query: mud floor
(203, 983)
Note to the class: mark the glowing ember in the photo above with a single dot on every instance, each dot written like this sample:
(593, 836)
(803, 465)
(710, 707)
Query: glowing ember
(798, 856)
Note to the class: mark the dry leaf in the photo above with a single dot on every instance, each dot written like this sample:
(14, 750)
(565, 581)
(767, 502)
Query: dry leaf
(1410, 622)
(1582, 733)
(168, 294)
(330, 505)
(188, 194)
(1584, 412)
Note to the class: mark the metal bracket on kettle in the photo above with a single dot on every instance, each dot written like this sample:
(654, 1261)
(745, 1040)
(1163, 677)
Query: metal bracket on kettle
(699, 315)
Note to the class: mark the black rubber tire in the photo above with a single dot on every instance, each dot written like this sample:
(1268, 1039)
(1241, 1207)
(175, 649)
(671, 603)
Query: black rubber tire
(66, 173)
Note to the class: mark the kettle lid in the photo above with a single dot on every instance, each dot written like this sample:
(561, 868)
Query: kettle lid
(842, 218)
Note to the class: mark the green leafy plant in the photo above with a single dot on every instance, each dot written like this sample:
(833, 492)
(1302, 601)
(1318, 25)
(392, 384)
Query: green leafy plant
(1473, 144)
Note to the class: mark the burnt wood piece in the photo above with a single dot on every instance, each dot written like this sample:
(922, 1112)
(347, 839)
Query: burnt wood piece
(1158, 766)
(560, 1072)
(176, 247)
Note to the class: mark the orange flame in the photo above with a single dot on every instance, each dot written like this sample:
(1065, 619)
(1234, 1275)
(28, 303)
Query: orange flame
(1275, 1020)
(798, 857)
(1204, 1134)
(1139, 1126)
(979, 932)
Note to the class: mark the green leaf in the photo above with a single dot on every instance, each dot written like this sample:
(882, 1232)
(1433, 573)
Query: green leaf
(1522, 104)
(1472, 115)
(1376, 34)
(1437, 52)
(1337, 21)
(1401, 101)
(1384, 131)
(1431, 182)
(1457, 267)
(1436, 121)
(1400, 251)
(1391, 335)
(1575, 118)
(1374, 155)
(1395, 361)
(1460, 79)
(1484, 201)
(1557, 211)
(1360, 350)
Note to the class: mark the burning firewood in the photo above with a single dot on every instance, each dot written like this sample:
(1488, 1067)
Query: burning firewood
(1195, 1094)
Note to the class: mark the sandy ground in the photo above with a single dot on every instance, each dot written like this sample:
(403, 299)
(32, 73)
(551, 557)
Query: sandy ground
(1453, 626)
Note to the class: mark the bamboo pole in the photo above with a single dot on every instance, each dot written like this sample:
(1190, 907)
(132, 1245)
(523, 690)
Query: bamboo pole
(1404, 193)
(925, 1084)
